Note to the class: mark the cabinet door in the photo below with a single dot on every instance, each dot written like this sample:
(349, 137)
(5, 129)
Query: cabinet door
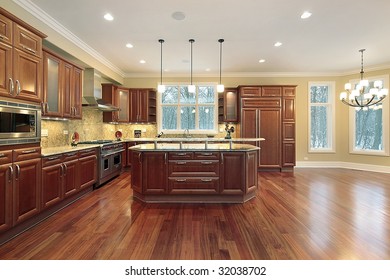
(27, 76)
(52, 103)
(143, 106)
(122, 97)
(27, 41)
(88, 171)
(5, 197)
(232, 173)
(5, 30)
(71, 177)
(231, 105)
(269, 129)
(154, 171)
(133, 105)
(6, 82)
(27, 189)
(249, 125)
(136, 171)
(77, 92)
(67, 85)
(52, 185)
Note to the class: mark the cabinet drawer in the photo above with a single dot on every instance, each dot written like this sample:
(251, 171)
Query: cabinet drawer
(181, 155)
(271, 91)
(194, 168)
(5, 30)
(27, 41)
(206, 155)
(204, 185)
(87, 152)
(250, 91)
(26, 153)
(51, 160)
(70, 156)
(5, 157)
(261, 102)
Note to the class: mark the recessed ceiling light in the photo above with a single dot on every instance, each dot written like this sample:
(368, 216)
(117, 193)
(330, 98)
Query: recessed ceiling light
(208, 69)
(261, 60)
(142, 61)
(178, 16)
(108, 16)
(128, 45)
(278, 44)
(305, 15)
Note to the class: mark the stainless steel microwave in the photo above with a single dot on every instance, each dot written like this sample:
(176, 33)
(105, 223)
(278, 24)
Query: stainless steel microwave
(19, 123)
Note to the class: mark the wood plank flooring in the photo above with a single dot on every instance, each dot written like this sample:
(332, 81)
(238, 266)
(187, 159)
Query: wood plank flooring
(308, 214)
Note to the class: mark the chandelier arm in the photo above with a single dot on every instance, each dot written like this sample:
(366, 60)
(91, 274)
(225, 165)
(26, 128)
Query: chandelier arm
(350, 104)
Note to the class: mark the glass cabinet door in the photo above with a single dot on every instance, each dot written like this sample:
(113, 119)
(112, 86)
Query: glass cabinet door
(52, 95)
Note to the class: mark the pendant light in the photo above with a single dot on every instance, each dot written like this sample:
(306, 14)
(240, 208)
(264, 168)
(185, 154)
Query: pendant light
(220, 86)
(191, 87)
(161, 87)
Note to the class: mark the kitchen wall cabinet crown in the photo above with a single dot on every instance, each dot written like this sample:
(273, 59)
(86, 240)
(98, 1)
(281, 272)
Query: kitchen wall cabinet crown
(20, 59)
(62, 87)
(269, 112)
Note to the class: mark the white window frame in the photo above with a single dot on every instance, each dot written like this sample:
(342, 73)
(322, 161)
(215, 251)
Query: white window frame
(196, 105)
(385, 122)
(331, 118)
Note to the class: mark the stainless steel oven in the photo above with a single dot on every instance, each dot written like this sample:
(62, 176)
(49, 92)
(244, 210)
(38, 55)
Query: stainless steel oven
(110, 159)
(19, 123)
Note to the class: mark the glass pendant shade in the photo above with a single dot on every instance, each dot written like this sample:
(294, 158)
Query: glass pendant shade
(220, 88)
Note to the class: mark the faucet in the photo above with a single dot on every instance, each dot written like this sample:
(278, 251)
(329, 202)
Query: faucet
(186, 133)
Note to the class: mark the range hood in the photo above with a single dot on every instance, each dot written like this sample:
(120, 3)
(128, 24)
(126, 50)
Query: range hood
(92, 92)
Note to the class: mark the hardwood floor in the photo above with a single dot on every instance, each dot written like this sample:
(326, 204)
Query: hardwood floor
(308, 214)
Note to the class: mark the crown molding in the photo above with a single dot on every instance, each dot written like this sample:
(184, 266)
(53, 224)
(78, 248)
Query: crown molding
(59, 28)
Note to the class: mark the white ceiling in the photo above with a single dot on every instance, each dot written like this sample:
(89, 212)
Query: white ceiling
(326, 43)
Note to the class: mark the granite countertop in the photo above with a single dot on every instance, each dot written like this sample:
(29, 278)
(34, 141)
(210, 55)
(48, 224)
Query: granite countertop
(190, 139)
(65, 149)
(194, 147)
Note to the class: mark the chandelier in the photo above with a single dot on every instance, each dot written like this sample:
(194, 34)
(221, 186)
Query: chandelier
(359, 97)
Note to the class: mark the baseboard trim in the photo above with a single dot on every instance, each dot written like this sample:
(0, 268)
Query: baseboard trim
(342, 164)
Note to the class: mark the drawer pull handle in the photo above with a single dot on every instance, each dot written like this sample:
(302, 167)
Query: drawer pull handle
(29, 49)
(206, 154)
(181, 154)
(29, 151)
(181, 180)
(53, 158)
(206, 162)
(70, 154)
(2, 155)
(206, 180)
(181, 162)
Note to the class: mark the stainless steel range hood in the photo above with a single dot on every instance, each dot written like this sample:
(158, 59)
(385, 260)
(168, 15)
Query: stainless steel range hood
(92, 92)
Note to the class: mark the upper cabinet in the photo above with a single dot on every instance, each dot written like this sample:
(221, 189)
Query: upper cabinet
(119, 97)
(142, 105)
(62, 87)
(228, 105)
(20, 59)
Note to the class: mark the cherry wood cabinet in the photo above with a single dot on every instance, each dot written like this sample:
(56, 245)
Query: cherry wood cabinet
(87, 168)
(269, 112)
(228, 105)
(21, 59)
(194, 176)
(52, 181)
(119, 97)
(6, 182)
(139, 105)
(62, 87)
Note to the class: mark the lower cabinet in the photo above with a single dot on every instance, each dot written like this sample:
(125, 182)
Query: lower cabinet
(87, 168)
(194, 176)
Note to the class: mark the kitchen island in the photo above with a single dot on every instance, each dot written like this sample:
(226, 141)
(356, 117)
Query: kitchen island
(182, 170)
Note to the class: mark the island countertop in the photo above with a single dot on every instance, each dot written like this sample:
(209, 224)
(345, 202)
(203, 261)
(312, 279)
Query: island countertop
(194, 147)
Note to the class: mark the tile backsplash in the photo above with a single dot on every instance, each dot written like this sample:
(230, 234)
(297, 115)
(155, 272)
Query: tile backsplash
(92, 127)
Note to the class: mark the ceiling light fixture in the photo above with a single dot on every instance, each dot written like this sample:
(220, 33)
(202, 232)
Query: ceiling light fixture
(261, 60)
(128, 45)
(360, 97)
(220, 86)
(161, 87)
(108, 17)
(278, 44)
(142, 61)
(305, 15)
(191, 87)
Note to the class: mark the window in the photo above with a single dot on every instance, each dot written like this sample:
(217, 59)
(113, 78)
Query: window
(181, 110)
(321, 117)
(369, 128)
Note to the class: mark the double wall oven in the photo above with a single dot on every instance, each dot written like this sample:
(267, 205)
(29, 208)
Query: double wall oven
(109, 160)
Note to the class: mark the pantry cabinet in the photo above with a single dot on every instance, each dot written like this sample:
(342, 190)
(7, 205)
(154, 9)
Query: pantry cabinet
(269, 112)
